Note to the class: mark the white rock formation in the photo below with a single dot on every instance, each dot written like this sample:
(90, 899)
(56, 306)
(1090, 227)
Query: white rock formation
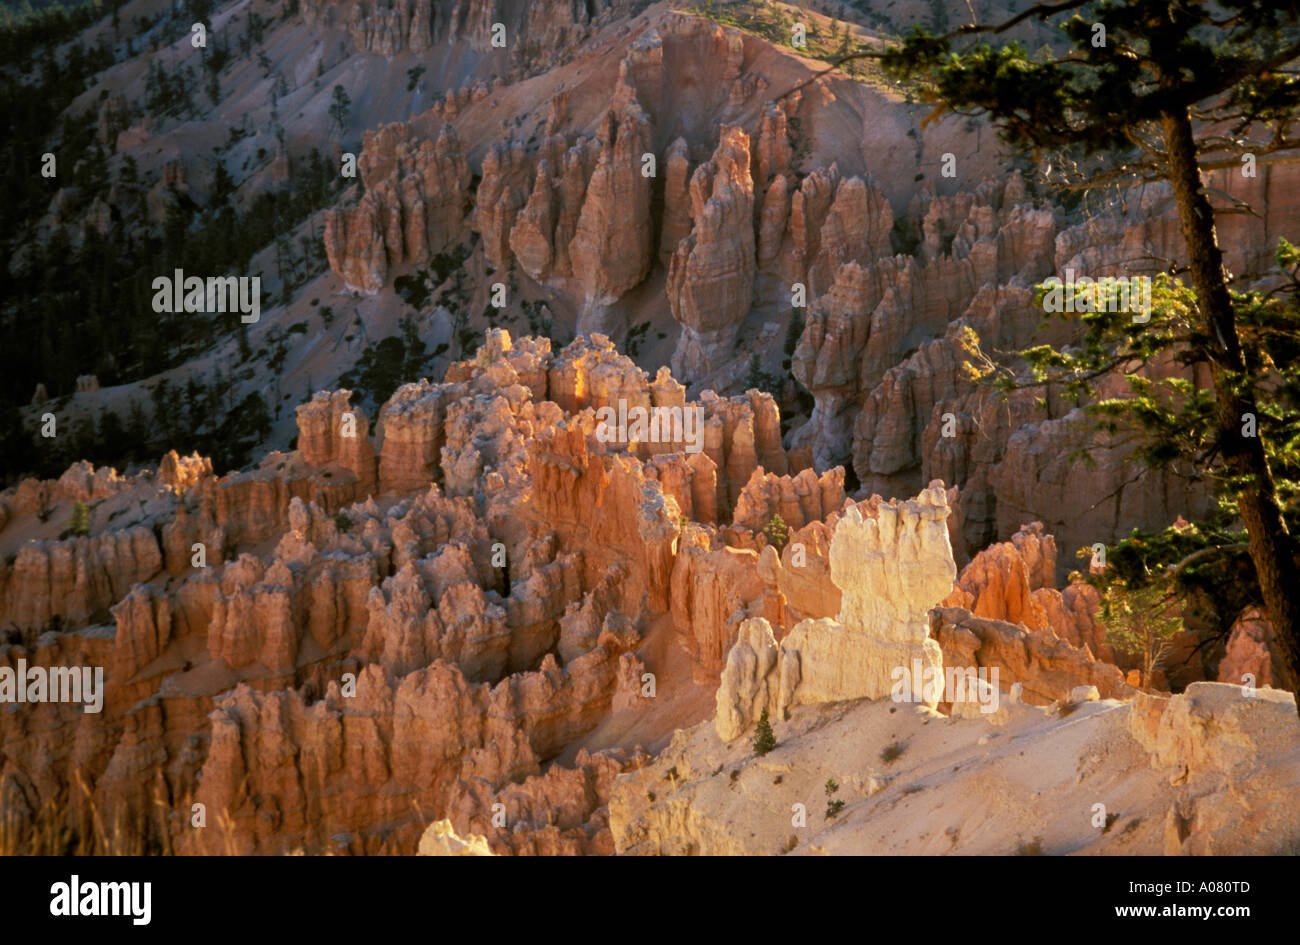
(441, 839)
(892, 565)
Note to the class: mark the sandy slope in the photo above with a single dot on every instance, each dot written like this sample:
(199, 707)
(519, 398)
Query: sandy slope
(1223, 779)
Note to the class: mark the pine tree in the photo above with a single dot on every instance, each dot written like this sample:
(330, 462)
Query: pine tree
(1152, 90)
(777, 532)
(764, 740)
(339, 106)
(137, 432)
(1141, 623)
(130, 173)
(223, 185)
(80, 521)
(758, 379)
(414, 352)
(794, 332)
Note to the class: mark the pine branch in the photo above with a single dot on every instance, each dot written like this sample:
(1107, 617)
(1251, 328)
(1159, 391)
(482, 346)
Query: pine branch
(1195, 556)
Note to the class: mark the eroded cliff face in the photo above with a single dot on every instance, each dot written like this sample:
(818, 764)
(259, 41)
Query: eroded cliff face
(413, 208)
(571, 204)
(1208, 771)
(455, 623)
(712, 209)
(533, 36)
(328, 650)
(711, 272)
(486, 612)
(644, 169)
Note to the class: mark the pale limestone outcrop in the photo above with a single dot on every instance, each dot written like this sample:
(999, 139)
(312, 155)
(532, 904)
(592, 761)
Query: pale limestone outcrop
(891, 566)
(1206, 772)
(441, 839)
(892, 562)
(1216, 745)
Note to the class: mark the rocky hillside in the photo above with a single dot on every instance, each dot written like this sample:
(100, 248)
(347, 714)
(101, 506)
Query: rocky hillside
(684, 187)
(394, 586)
(493, 602)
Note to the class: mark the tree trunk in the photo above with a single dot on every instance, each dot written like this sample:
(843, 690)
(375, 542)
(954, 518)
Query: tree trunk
(1271, 546)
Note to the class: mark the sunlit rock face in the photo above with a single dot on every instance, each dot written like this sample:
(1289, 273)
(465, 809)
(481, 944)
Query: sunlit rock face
(892, 563)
